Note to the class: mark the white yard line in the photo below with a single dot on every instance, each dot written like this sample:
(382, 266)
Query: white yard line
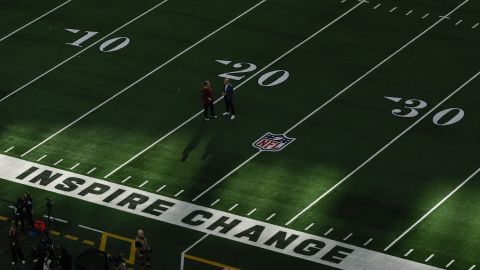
(182, 262)
(26, 25)
(80, 52)
(90, 229)
(236, 88)
(143, 77)
(56, 219)
(431, 210)
(323, 106)
(383, 148)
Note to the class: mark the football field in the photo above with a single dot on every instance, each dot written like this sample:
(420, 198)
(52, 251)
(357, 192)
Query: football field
(100, 110)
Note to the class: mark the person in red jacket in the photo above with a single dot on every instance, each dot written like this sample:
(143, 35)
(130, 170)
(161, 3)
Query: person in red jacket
(207, 96)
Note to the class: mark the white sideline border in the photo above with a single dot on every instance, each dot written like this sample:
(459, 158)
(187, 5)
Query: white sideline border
(142, 78)
(31, 22)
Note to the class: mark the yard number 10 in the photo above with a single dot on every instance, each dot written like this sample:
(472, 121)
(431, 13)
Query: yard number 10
(111, 45)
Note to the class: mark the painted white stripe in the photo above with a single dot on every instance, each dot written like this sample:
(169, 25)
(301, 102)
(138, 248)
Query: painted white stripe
(382, 149)
(178, 193)
(392, 10)
(236, 88)
(408, 252)
(74, 166)
(426, 15)
(80, 52)
(409, 12)
(90, 229)
(162, 187)
(126, 179)
(368, 242)
(182, 263)
(143, 184)
(56, 219)
(58, 162)
(271, 216)
(233, 207)
(343, 1)
(215, 202)
(252, 211)
(41, 158)
(347, 237)
(473, 267)
(141, 79)
(375, 7)
(429, 258)
(431, 210)
(309, 227)
(475, 26)
(92, 170)
(460, 21)
(26, 25)
(9, 149)
(449, 264)
(328, 232)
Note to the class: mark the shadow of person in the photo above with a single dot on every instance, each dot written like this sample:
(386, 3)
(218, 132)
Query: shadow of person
(194, 141)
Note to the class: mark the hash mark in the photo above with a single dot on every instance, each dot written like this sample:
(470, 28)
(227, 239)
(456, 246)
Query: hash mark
(375, 7)
(328, 232)
(58, 162)
(392, 10)
(8, 150)
(233, 207)
(408, 252)
(408, 13)
(74, 166)
(475, 26)
(215, 202)
(92, 170)
(161, 188)
(309, 227)
(126, 179)
(251, 212)
(429, 258)
(450, 263)
(271, 216)
(458, 22)
(368, 242)
(347, 237)
(473, 267)
(143, 184)
(41, 158)
(180, 192)
(425, 16)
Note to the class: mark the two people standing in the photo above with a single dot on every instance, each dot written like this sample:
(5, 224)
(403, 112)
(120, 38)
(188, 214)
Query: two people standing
(208, 103)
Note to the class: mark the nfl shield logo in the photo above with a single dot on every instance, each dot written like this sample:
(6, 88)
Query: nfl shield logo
(272, 142)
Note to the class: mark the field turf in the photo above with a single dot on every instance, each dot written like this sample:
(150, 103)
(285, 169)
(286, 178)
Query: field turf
(381, 98)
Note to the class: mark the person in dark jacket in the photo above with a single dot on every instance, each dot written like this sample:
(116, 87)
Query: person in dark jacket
(19, 209)
(228, 97)
(14, 245)
(28, 202)
(207, 97)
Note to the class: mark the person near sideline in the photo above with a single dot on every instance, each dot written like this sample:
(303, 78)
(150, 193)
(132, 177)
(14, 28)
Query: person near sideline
(228, 97)
(14, 245)
(207, 97)
(143, 249)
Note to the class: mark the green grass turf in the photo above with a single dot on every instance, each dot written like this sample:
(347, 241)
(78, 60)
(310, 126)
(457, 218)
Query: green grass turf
(379, 202)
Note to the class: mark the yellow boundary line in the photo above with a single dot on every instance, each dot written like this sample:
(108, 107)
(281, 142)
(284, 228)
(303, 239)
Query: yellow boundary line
(193, 258)
(103, 244)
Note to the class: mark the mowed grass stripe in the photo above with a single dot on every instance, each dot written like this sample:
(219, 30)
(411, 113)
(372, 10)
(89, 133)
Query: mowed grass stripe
(141, 79)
